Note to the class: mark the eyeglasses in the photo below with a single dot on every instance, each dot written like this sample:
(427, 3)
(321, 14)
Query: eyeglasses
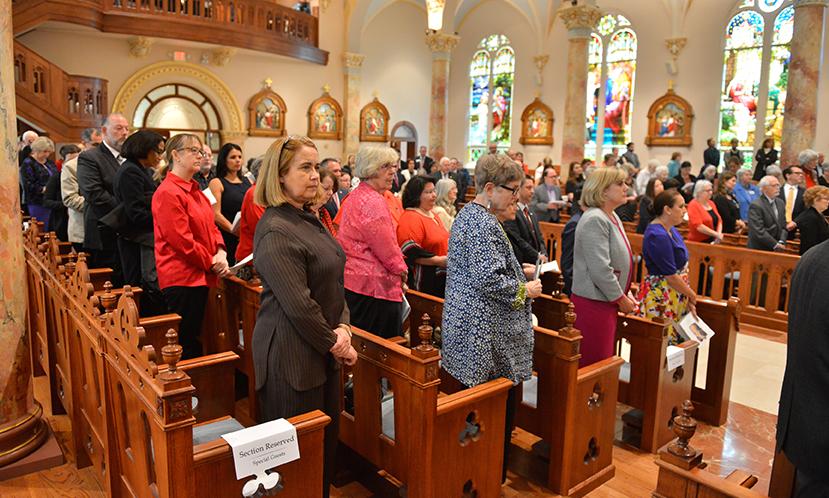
(160, 151)
(195, 150)
(513, 191)
(389, 166)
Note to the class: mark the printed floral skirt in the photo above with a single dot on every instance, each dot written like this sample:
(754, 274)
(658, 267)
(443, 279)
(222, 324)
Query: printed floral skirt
(654, 293)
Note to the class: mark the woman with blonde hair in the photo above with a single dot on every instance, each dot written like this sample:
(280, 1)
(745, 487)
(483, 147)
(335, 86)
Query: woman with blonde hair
(375, 272)
(447, 192)
(811, 223)
(34, 175)
(602, 264)
(302, 329)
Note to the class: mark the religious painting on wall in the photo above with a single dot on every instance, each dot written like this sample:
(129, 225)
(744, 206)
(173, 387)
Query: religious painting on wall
(537, 124)
(374, 122)
(325, 118)
(266, 112)
(669, 121)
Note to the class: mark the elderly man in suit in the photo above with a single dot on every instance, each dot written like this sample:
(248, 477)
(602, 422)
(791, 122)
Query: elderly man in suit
(792, 195)
(424, 162)
(802, 433)
(96, 171)
(523, 231)
(547, 199)
(767, 218)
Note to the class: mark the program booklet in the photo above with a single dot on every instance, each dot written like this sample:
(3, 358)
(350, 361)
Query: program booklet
(694, 329)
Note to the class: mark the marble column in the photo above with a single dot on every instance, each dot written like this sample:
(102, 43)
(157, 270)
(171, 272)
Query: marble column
(800, 120)
(579, 21)
(441, 45)
(21, 429)
(352, 65)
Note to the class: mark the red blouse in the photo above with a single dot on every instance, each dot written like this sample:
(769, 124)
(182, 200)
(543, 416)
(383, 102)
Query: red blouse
(251, 212)
(698, 215)
(428, 233)
(186, 238)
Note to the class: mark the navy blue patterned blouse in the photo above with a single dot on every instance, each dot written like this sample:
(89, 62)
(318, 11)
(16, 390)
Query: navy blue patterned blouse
(487, 329)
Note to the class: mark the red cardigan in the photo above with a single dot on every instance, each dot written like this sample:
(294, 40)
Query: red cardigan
(698, 215)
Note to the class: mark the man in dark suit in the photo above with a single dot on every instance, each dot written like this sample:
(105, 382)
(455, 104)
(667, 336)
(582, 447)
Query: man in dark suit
(792, 195)
(424, 162)
(461, 177)
(568, 245)
(96, 171)
(334, 166)
(523, 232)
(711, 155)
(767, 218)
(802, 432)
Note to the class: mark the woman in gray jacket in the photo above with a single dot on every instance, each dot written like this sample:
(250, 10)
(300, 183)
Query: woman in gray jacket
(602, 264)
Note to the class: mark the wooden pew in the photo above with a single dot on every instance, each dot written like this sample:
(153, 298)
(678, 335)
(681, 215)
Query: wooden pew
(574, 410)
(682, 472)
(432, 444)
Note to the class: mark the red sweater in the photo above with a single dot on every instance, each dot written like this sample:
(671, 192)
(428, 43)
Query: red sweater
(251, 212)
(698, 215)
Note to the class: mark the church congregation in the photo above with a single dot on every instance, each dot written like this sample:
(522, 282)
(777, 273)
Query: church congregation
(475, 270)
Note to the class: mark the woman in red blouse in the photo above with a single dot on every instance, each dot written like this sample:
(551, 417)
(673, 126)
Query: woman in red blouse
(423, 238)
(189, 250)
(704, 221)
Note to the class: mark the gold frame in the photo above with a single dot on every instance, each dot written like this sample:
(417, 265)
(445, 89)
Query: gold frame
(254, 130)
(338, 118)
(653, 139)
(365, 137)
(526, 139)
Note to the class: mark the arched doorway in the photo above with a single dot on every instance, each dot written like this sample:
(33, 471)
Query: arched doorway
(404, 140)
(178, 108)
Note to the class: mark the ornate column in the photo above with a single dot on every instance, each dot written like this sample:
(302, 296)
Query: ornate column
(579, 21)
(804, 72)
(441, 45)
(352, 65)
(21, 429)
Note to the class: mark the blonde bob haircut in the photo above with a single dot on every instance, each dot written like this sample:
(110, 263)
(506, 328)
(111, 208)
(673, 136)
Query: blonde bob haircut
(498, 169)
(275, 165)
(815, 193)
(600, 179)
(371, 159)
(176, 142)
(43, 144)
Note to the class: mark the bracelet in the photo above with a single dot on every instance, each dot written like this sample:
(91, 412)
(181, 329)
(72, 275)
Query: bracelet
(347, 328)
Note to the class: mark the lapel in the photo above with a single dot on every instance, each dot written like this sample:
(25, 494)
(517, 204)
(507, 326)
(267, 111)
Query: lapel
(109, 159)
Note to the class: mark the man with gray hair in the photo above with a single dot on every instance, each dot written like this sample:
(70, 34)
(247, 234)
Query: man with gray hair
(767, 218)
(90, 137)
(808, 161)
(96, 171)
(443, 169)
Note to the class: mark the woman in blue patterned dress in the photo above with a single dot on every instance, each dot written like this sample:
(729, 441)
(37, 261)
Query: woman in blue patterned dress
(487, 330)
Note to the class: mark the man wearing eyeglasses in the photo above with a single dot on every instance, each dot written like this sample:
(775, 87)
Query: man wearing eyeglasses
(96, 171)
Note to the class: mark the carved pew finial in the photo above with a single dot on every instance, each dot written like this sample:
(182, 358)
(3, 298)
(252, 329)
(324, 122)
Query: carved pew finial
(425, 349)
(559, 286)
(171, 355)
(108, 299)
(680, 452)
(569, 320)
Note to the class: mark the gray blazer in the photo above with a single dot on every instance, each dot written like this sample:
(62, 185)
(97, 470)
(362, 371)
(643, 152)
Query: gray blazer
(601, 259)
(764, 229)
(539, 203)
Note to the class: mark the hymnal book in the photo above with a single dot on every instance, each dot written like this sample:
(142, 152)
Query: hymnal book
(238, 266)
(210, 197)
(237, 220)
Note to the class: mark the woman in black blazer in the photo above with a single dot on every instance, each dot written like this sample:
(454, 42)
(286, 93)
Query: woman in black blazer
(133, 188)
(727, 204)
(811, 223)
(765, 157)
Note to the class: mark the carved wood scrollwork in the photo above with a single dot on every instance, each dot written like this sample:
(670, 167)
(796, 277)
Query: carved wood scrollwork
(472, 429)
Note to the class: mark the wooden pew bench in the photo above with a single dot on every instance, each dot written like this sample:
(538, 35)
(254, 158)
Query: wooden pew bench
(572, 409)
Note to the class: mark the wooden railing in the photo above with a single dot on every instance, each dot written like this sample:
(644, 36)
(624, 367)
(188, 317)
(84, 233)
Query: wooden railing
(62, 104)
(760, 279)
(261, 25)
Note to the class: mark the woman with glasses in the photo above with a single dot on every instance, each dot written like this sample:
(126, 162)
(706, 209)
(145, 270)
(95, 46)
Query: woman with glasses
(602, 264)
(704, 221)
(133, 188)
(189, 250)
(375, 273)
(229, 189)
(487, 329)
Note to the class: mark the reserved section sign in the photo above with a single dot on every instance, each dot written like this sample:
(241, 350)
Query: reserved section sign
(262, 447)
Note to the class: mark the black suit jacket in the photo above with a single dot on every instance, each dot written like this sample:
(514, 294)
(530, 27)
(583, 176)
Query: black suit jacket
(134, 187)
(96, 173)
(799, 206)
(424, 162)
(711, 156)
(398, 184)
(568, 245)
(802, 431)
(813, 229)
(764, 229)
(525, 237)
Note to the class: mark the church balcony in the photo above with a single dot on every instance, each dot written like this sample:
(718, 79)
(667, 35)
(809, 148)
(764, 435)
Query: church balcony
(261, 25)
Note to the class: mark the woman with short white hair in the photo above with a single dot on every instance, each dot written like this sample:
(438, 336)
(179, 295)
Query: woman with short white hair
(34, 175)
(375, 272)
(704, 221)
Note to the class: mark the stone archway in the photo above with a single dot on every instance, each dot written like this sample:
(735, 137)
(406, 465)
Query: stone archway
(147, 78)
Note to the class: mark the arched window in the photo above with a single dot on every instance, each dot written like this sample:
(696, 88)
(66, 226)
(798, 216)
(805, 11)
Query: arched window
(611, 66)
(177, 108)
(491, 75)
(755, 73)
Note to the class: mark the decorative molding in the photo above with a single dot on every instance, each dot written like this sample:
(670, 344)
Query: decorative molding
(807, 3)
(675, 46)
(374, 122)
(325, 117)
(222, 55)
(266, 113)
(580, 19)
(441, 42)
(540, 61)
(537, 124)
(353, 60)
(139, 46)
(151, 76)
(670, 120)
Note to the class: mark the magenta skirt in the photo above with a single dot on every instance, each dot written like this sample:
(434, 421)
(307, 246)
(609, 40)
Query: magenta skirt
(596, 320)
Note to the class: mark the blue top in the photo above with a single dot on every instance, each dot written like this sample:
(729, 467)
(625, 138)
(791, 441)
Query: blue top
(673, 168)
(745, 196)
(487, 330)
(664, 254)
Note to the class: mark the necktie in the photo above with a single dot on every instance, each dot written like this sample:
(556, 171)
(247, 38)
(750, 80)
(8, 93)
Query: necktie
(530, 223)
(789, 204)
(774, 210)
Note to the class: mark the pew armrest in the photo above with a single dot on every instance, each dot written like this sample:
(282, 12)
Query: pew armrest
(213, 378)
(172, 318)
(453, 401)
(600, 368)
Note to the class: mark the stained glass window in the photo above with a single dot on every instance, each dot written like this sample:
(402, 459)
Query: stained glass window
(610, 82)
(491, 74)
(750, 90)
